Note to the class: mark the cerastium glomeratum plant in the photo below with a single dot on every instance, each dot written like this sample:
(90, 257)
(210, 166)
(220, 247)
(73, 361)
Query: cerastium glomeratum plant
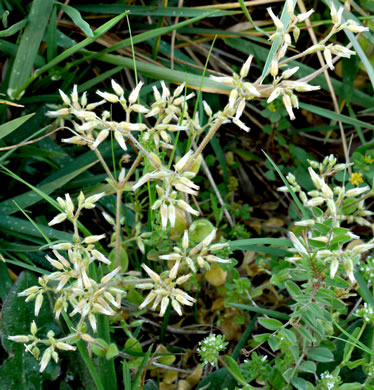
(320, 244)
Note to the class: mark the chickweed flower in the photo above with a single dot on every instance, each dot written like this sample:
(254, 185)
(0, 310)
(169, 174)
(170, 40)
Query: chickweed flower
(210, 349)
(164, 290)
(199, 256)
(367, 313)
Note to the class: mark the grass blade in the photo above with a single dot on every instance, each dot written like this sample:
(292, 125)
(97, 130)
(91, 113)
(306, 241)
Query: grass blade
(29, 198)
(334, 116)
(86, 358)
(69, 52)
(153, 71)
(13, 29)
(9, 127)
(29, 45)
(303, 210)
(77, 19)
(144, 36)
(260, 310)
(182, 12)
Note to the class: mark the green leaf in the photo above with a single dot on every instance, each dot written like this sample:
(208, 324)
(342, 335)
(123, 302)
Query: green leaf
(77, 19)
(300, 383)
(111, 352)
(10, 224)
(6, 281)
(340, 240)
(308, 366)
(69, 52)
(9, 127)
(235, 370)
(356, 363)
(31, 197)
(274, 343)
(261, 338)
(270, 323)
(183, 12)
(13, 29)
(334, 116)
(321, 354)
(249, 242)
(141, 368)
(316, 243)
(29, 45)
(364, 290)
(218, 380)
(350, 386)
(290, 335)
(293, 289)
(256, 309)
(306, 334)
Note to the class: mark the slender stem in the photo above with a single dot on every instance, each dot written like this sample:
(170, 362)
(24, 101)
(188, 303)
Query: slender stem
(205, 142)
(105, 166)
(132, 169)
(295, 57)
(118, 225)
(140, 147)
(215, 189)
(76, 231)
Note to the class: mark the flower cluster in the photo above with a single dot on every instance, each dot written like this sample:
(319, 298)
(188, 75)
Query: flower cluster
(210, 348)
(328, 381)
(164, 290)
(242, 92)
(367, 313)
(168, 197)
(329, 207)
(53, 345)
(281, 85)
(71, 280)
(367, 269)
(199, 256)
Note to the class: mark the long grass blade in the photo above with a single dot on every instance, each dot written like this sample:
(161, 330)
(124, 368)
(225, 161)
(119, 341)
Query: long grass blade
(29, 45)
(69, 52)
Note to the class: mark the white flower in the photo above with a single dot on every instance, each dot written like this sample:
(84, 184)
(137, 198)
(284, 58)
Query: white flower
(278, 24)
(297, 244)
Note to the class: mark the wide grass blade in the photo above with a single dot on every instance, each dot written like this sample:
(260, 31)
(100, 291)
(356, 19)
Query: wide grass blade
(13, 224)
(69, 52)
(29, 45)
(157, 72)
(29, 198)
(9, 127)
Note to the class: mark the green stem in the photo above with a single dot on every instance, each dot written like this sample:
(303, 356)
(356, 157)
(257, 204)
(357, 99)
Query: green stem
(204, 142)
(105, 166)
(83, 351)
(118, 225)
